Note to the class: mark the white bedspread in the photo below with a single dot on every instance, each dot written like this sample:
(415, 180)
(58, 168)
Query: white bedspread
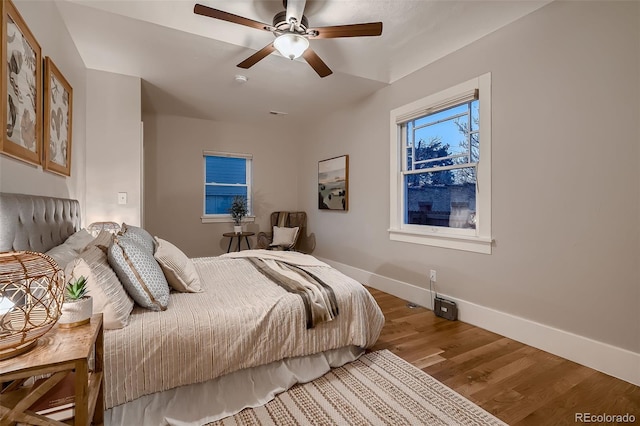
(241, 320)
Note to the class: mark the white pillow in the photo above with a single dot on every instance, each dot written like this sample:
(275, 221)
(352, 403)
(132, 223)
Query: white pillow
(106, 291)
(285, 237)
(63, 255)
(177, 267)
(79, 240)
(69, 250)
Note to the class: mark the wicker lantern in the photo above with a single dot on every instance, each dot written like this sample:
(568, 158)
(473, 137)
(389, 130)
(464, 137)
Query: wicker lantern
(31, 296)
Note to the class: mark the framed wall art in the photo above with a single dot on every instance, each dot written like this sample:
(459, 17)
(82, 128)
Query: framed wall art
(58, 108)
(333, 183)
(21, 88)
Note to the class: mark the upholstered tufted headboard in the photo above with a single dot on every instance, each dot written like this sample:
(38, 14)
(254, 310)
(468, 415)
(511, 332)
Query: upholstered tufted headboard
(38, 223)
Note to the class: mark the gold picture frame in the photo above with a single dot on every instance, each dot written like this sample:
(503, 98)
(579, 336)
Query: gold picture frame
(58, 109)
(333, 183)
(21, 88)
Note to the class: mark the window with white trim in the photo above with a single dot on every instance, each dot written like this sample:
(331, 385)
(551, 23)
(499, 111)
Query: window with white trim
(226, 175)
(441, 169)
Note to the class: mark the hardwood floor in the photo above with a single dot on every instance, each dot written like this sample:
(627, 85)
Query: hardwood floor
(517, 383)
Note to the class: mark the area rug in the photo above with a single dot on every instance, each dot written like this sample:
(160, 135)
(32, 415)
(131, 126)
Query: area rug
(377, 389)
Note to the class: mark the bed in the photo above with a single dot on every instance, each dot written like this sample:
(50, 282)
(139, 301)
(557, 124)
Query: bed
(236, 344)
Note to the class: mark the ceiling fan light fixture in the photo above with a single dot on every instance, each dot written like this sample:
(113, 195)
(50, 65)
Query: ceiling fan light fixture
(291, 45)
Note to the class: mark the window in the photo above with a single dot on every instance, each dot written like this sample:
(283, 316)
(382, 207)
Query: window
(226, 175)
(441, 169)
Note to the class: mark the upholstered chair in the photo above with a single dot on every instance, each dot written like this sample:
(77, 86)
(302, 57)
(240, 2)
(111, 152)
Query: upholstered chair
(285, 220)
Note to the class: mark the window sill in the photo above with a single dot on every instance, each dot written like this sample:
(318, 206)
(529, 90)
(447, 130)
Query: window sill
(457, 242)
(225, 219)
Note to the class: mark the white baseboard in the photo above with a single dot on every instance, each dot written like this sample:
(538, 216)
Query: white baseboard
(611, 360)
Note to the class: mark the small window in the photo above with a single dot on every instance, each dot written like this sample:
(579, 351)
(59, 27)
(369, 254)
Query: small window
(226, 176)
(440, 170)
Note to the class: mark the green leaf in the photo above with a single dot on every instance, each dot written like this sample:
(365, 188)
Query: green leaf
(76, 289)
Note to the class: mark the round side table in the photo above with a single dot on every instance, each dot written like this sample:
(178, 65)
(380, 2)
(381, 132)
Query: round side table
(232, 235)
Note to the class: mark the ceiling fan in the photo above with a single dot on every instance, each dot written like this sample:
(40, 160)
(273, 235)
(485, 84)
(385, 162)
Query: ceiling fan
(292, 32)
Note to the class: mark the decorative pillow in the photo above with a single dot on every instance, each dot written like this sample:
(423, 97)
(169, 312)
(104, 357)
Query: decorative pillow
(106, 291)
(103, 239)
(285, 237)
(63, 255)
(140, 236)
(79, 240)
(139, 273)
(177, 267)
(69, 250)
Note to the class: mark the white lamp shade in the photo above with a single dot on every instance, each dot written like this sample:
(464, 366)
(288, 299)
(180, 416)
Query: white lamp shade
(291, 45)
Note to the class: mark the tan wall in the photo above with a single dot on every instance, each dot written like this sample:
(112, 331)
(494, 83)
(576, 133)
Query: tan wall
(566, 180)
(114, 147)
(174, 176)
(47, 25)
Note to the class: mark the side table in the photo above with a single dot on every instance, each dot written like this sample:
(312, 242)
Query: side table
(58, 352)
(233, 235)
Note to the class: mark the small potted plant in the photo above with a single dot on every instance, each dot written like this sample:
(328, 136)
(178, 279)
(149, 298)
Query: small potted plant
(78, 306)
(238, 210)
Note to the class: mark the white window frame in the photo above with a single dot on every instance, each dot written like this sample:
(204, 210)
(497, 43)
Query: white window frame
(477, 240)
(226, 218)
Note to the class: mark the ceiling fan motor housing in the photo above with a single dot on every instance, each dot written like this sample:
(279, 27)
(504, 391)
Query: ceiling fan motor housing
(280, 22)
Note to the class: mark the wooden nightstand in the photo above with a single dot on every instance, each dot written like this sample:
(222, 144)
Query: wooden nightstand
(58, 352)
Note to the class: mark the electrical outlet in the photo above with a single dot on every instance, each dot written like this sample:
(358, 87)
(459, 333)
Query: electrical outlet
(432, 276)
(122, 198)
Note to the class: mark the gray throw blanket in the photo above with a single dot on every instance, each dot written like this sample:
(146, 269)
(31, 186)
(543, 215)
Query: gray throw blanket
(319, 300)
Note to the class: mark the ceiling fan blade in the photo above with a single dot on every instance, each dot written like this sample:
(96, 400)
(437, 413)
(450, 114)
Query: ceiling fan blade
(200, 9)
(354, 30)
(256, 57)
(295, 9)
(316, 63)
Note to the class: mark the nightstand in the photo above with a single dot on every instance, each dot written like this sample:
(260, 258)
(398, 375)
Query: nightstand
(58, 352)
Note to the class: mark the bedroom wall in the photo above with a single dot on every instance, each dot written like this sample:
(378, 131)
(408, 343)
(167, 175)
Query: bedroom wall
(174, 176)
(114, 147)
(566, 180)
(18, 177)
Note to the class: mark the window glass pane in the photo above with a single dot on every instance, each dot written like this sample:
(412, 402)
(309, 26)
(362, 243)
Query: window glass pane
(475, 147)
(218, 198)
(475, 135)
(442, 139)
(440, 115)
(225, 170)
(475, 115)
(434, 149)
(443, 198)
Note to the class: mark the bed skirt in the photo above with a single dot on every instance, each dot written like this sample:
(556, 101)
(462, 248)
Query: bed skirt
(201, 403)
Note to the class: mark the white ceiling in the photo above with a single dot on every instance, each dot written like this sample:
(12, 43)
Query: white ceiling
(188, 62)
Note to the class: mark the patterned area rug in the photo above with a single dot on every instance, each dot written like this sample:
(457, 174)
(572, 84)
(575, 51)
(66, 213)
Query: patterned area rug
(377, 389)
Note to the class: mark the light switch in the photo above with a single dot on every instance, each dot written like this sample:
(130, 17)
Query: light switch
(122, 198)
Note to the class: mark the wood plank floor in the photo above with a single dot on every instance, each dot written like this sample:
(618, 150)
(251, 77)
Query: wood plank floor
(517, 383)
